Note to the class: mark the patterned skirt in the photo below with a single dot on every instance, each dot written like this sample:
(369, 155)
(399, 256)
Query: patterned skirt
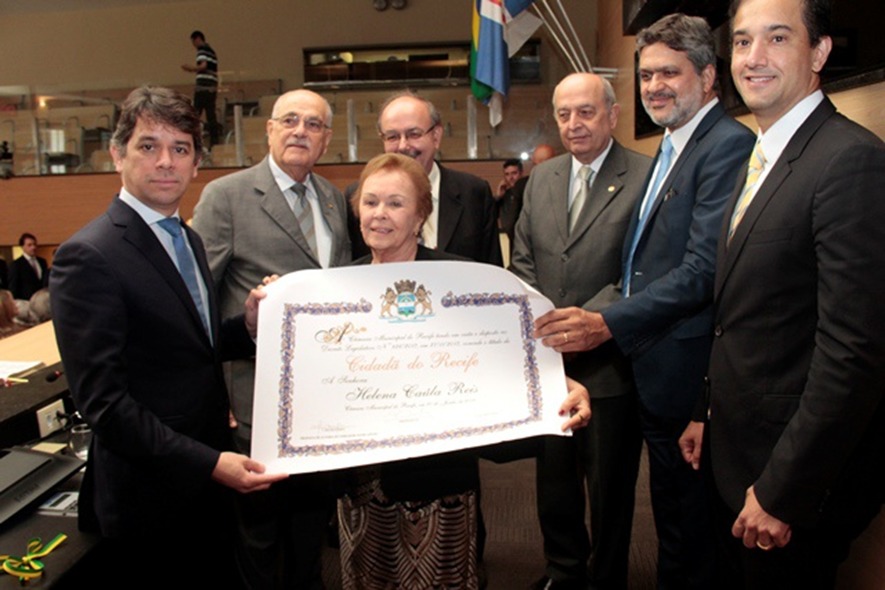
(406, 545)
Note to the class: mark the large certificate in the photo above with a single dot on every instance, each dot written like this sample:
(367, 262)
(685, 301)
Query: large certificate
(375, 363)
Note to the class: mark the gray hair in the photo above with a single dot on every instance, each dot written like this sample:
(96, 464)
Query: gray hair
(435, 117)
(688, 34)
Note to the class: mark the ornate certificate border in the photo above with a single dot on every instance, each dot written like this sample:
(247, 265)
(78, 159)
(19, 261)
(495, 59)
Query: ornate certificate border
(287, 349)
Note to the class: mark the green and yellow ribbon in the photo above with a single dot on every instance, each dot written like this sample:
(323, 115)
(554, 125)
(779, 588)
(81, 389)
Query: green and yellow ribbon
(29, 566)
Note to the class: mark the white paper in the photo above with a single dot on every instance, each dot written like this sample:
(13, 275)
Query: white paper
(375, 363)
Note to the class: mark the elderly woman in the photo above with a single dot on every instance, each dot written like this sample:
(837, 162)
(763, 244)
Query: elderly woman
(412, 523)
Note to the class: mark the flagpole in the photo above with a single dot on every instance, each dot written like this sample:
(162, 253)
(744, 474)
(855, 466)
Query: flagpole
(568, 21)
(556, 39)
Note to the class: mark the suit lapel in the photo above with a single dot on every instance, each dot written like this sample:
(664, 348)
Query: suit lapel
(144, 240)
(274, 204)
(206, 275)
(558, 195)
(782, 170)
(450, 209)
(331, 215)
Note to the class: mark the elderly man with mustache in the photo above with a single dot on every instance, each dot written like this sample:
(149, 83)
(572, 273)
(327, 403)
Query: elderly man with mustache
(274, 218)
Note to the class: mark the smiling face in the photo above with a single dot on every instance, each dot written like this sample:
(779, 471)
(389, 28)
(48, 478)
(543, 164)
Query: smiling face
(672, 90)
(773, 63)
(296, 150)
(157, 164)
(408, 116)
(585, 121)
(389, 217)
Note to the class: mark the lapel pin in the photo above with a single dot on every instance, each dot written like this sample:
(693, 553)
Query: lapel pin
(611, 188)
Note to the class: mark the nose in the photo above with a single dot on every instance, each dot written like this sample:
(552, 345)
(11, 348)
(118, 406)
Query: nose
(655, 83)
(164, 158)
(756, 56)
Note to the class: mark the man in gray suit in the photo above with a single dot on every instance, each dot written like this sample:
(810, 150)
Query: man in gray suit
(576, 209)
(274, 218)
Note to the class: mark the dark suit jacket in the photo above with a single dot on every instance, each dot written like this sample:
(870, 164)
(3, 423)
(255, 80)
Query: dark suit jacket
(426, 478)
(666, 325)
(142, 371)
(797, 371)
(4, 275)
(571, 268)
(468, 224)
(251, 232)
(23, 281)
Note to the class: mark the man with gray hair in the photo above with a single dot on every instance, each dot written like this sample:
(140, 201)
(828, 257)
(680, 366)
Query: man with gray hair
(275, 218)
(661, 314)
(568, 239)
(463, 220)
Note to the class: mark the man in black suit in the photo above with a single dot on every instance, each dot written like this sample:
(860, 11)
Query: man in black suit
(662, 317)
(139, 334)
(568, 243)
(29, 273)
(463, 220)
(796, 430)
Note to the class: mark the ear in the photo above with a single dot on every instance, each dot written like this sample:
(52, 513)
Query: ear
(708, 77)
(820, 53)
(118, 159)
(327, 137)
(613, 115)
(437, 134)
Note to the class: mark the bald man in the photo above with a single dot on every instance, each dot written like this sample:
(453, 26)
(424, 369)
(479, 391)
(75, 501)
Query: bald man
(249, 225)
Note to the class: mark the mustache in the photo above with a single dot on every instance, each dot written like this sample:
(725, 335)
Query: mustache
(411, 152)
(661, 94)
(298, 142)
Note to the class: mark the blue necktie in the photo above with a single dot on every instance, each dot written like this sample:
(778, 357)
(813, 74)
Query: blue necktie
(172, 225)
(666, 154)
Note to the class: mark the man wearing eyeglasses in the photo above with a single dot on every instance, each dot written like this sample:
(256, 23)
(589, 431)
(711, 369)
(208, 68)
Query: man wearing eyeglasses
(274, 218)
(463, 219)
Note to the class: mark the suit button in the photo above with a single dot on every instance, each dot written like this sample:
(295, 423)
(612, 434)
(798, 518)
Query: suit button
(718, 331)
(564, 257)
(562, 292)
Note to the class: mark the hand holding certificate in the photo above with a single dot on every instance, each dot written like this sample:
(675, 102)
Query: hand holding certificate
(375, 363)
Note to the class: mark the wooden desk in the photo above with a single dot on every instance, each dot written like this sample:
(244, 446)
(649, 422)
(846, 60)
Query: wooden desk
(34, 344)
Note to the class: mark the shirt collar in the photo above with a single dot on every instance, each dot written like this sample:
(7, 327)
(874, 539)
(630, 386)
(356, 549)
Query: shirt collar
(283, 180)
(596, 164)
(149, 215)
(776, 138)
(679, 137)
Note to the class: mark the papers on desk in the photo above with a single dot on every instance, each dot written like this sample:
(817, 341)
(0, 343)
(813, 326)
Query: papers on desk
(17, 369)
(376, 363)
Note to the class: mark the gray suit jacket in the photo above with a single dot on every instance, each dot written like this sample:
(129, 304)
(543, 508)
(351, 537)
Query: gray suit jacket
(570, 269)
(250, 232)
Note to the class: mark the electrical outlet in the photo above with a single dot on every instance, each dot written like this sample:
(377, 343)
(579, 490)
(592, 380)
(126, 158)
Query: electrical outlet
(47, 418)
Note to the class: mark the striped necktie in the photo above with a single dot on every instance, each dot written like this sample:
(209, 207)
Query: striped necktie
(585, 173)
(304, 212)
(754, 171)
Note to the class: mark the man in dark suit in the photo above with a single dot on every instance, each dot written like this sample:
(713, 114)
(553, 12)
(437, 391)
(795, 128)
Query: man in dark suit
(463, 220)
(249, 224)
(796, 417)
(576, 209)
(140, 338)
(662, 315)
(29, 273)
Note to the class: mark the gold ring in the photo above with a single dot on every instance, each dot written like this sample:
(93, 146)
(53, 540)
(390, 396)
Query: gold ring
(565, 336)
(768, 547)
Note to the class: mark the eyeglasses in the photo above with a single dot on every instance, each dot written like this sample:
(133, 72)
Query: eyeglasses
(291, 120)
(411, 135)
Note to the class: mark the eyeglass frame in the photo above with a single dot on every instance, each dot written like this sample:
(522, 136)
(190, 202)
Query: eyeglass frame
(413, 134)
(318, 124)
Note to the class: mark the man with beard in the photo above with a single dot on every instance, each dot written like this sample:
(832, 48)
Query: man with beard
(463, 220)
(661, 314)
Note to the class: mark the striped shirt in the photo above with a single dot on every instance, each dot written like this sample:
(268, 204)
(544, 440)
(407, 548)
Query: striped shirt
(208, 78)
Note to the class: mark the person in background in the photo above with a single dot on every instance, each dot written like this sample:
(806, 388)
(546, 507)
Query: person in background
(206, 85)
(29, 273)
